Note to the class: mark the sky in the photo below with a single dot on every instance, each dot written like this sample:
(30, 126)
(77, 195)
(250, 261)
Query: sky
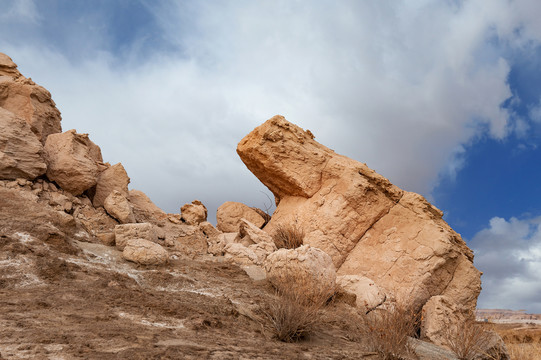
(441, 97)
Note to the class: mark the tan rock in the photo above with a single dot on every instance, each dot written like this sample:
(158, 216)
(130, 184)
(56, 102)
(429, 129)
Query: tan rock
(368, 295)
(209, 230)
(229, 214)
(20, 150)
(27, 100)
(112, 178)
(145, 252)
(72, 161)
(368, 226)
(126, 232)
(305, 267)
(144, 209)
(251, 234)
(254, 254)
(106, 238)
(189, 240)
(194, 213)
(118, 207)
(216, 245)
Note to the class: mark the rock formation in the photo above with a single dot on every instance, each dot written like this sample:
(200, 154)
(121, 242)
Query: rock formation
(368, 226)
(230, 213)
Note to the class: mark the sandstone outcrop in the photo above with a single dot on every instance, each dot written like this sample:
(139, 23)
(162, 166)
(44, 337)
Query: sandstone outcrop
(27, 100)
(73, 161)
(306, 268)
(194, 213)
(368, 295)
(20, 149)
(144, 252)
(368, 226)
(230, 213)
(114, 178)
(144, 209)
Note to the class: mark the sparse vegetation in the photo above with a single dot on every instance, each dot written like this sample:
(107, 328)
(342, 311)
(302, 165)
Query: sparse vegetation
(288, 236)
(387, 331)
(468, 340)
(522, 342)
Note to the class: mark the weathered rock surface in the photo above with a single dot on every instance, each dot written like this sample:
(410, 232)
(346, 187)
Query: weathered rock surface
(126, 232)
(194, 213)
(72, 161)
(368, 295)
(368, 226)
(20, 149)
(144, 252)
(229, 214)
(305, 267)
(27, 100)
(113, 178)
(144, 209)
(119, 207)
(186, 239)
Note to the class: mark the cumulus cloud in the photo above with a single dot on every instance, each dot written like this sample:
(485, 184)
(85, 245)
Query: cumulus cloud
(509, 254)
(398, 85)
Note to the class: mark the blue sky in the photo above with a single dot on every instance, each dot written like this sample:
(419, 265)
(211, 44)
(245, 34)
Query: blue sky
(441, 97)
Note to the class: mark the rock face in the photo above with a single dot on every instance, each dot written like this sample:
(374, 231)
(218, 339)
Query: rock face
(20, 149)
(127, 232)
(368, 295)
(72, 161)
(27, 100)
(230, 213)
(368, 226)
(144, 252)
(144, 209)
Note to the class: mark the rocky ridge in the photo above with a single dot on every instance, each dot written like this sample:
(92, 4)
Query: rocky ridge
(68, 217)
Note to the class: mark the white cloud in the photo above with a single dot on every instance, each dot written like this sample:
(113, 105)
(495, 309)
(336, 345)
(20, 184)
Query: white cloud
(19, 10)
(400, 86)
(509, 254)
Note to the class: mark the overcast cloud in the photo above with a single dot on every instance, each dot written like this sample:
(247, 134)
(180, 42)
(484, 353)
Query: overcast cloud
(509, 254)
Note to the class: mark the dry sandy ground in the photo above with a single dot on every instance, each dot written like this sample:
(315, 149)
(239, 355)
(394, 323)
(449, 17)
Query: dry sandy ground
(64, 300)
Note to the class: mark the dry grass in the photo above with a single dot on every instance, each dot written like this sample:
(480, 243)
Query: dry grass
(468, 340)
(523, 342)
(387, 332)
(288, 236)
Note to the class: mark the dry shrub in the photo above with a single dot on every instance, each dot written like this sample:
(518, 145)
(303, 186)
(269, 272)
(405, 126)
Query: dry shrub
(468, 340)
(523, 343)
(288, 236)
(387, 332)
(296, 309)
(525, 351)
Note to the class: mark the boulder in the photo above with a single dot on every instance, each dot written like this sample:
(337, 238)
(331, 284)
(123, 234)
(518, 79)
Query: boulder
(188, 240)
(144, 209)
(229, 214)
(126, 232)
(254, 254)
(118, 207)
(144, 252)
(251, 234)
(194, 213)
(72, 161)
(367, 225)
(307, 269)
(112, 178)
(28, 101)
(209, 230)
(368, 295)
(20, 150)
(216, 245)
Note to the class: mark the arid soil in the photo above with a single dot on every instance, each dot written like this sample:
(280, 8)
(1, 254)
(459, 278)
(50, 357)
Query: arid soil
(81, 300)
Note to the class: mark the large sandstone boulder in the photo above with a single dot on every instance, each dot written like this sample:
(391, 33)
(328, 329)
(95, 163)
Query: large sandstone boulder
(230, 213)
(119, 207)
(194, 213)
(367, 225)
(368, 296)
(20, 149)
(144, 209)
(307, 269)
(73, 161)
(114, 178)
(27, 100)
(144, 252)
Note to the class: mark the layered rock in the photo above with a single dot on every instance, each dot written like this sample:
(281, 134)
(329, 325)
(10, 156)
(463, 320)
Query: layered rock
(73, 161)
(368, 226)
(27, 100)
(20, 149)
(229, 215)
